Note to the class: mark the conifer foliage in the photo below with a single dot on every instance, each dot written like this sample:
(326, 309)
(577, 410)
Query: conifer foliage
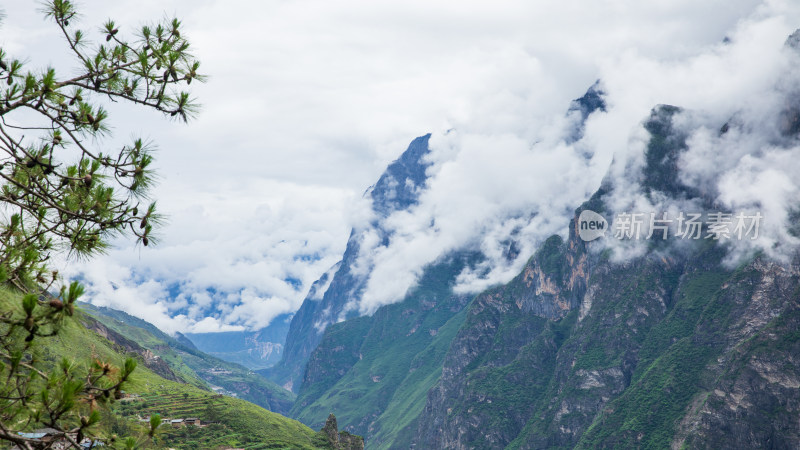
(65, 189)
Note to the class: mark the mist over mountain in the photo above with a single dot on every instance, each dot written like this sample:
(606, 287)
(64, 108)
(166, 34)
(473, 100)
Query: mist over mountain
(332, 297)
(340, 292)
(646, 340)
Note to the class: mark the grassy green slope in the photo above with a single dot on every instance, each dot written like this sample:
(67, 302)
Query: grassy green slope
(395, 427)
(375, 372)
(194, 366)
(238, 422)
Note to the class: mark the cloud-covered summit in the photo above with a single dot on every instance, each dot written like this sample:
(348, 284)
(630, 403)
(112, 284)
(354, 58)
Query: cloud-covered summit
(737, 157)
(746, 85)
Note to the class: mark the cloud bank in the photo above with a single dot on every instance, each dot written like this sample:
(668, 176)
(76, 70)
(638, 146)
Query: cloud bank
(521, 179)
(309, 100)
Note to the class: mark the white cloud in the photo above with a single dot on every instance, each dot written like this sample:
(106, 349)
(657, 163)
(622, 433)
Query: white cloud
(493, 185)
(750, 168)
(236, 258)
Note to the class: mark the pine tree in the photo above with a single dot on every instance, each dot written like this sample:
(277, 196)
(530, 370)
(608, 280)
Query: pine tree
(64, 190)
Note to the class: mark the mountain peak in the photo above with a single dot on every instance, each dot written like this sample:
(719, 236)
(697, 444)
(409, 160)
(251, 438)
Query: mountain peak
(793, 41)
(581, 108)
(400, 185)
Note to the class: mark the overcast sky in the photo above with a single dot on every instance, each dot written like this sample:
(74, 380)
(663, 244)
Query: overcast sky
(307, 101)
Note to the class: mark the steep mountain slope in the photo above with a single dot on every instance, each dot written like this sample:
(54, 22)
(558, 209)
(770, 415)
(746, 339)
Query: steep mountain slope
(672, 345)
(376, 371)
(186, 363)
(397, 189)
(659, 349)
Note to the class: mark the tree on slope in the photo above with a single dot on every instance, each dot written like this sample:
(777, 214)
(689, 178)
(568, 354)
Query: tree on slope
(64, 190)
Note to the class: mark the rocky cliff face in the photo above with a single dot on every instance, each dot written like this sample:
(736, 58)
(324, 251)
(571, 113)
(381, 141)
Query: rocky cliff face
(464, 405)
(751, 396)
(670, 349)
(703, 376)
(659, 351)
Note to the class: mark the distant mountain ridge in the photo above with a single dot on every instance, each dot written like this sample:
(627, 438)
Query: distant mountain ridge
(255, 350)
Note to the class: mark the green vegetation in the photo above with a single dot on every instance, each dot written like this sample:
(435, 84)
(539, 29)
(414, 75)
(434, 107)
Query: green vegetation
(397, 424)
(516, 387)
(236, 423)
(65, 191)
(628, 317)
(375, 372)
(227, 422)
(673, 359)
(193, 366)
(509, 375)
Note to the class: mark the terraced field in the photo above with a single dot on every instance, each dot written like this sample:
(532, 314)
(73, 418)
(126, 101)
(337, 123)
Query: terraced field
(168, 405)
(233, 422)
